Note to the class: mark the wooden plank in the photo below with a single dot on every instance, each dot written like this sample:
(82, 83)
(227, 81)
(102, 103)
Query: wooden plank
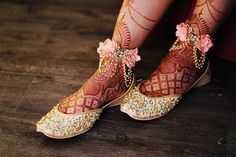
(12, 90)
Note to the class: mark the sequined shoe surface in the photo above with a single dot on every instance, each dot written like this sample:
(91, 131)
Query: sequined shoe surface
(60, 125)
(180, 71)
(141, 107)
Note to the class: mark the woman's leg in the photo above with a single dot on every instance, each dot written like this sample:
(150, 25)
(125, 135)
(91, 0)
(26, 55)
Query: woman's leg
(208, 14)
(136, 19)
(177, 71)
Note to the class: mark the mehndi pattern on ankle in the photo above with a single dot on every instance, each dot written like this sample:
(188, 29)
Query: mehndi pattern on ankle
(201, 43)
(112, 52)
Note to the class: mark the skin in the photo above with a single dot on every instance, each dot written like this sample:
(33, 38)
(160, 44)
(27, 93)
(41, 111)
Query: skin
(136, 19)
(208, 14)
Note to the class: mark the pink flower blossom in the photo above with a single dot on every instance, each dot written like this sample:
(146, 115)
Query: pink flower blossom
(132, 57)
(205, 43)
(182, 31)
(107, 48)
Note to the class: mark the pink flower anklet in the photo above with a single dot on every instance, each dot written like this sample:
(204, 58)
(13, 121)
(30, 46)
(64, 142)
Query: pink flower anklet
(111, 49)
(201, 43)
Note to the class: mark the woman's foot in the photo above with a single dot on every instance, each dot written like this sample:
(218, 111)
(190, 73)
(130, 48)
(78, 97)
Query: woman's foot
(182, 66)
(175, 74)
(95, 92)
(109, 83)
(182, 69)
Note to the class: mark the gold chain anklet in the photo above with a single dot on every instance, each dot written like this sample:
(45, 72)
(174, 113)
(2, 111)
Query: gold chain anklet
(201, 43)
(112, 52)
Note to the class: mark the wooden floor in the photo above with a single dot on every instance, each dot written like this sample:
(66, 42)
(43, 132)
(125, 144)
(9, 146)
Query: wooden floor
(47, 51)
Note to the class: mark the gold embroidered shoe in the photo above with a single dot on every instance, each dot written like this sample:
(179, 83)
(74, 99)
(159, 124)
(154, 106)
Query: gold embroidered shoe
(141, 107)
(60, 125)
(171, 86)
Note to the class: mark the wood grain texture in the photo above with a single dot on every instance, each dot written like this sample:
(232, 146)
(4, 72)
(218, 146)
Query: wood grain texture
(47, 51)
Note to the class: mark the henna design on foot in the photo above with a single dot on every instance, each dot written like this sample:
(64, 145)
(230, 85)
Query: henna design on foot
(95, 92)
(175, 75)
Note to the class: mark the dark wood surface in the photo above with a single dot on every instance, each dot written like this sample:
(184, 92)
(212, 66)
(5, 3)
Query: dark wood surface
(47, 51)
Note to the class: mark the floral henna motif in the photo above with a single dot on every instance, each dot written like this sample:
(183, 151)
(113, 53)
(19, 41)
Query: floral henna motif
(112, 88)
